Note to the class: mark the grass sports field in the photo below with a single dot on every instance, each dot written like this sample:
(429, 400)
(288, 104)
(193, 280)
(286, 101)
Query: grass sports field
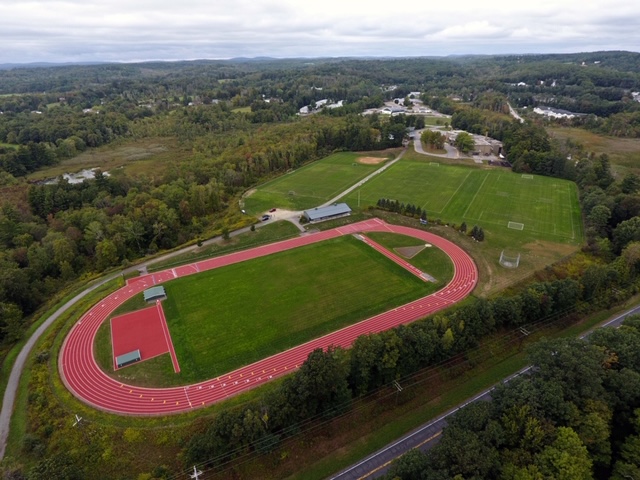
(537, 207)
(311, 185)
(233, 316)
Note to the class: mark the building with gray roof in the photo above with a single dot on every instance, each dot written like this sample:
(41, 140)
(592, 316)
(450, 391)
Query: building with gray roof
(320, 214)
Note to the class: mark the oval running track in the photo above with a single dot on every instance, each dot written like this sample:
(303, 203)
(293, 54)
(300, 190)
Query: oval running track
(84, 378)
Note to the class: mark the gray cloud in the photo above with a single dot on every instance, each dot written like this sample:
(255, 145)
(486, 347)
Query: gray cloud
(119, 30)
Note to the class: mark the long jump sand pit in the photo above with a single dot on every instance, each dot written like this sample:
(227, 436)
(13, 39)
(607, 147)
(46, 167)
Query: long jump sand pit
(370, 160)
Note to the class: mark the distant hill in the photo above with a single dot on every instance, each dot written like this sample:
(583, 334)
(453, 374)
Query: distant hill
(10, 66)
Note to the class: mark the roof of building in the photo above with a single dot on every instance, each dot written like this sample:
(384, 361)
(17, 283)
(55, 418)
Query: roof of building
(129, 357)
(154, 292)
(330, 211)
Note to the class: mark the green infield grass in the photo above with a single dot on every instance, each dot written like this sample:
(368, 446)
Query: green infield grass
(523, 207)
(429, 260)
(232, 316)
(311, 185)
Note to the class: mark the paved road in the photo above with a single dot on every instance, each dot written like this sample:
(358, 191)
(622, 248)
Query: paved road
(514, 114)
(427, 436)
(452, 152)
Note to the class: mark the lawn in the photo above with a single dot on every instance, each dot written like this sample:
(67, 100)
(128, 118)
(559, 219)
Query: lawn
(429, 260)
(496, 199)
(311, 185)
(233, 316)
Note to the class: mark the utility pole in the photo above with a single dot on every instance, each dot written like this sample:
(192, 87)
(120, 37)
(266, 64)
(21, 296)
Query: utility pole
(398, 389)
(196, 473)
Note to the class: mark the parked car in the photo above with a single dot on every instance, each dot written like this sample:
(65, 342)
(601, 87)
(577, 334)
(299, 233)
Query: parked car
(272, 210)
(265, 218)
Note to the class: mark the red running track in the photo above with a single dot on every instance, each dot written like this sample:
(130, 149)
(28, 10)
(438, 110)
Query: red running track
(84, 378)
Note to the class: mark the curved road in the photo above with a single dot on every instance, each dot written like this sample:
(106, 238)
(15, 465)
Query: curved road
(89, 383)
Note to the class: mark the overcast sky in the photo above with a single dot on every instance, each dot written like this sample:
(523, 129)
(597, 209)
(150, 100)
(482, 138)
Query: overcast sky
(135, 30)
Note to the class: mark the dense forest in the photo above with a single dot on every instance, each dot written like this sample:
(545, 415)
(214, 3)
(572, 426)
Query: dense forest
(236, 124)
(575, 415)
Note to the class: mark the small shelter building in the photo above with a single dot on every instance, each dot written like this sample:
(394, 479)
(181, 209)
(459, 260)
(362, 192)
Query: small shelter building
(320, 214)
(128, 358)
(154, 293)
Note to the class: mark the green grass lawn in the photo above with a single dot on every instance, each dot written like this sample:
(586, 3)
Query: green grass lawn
(430, 260)
(311, 185)
(547, 208)
(233, 316)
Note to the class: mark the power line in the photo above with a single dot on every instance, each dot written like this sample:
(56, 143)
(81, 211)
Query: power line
(353, 406)
(196, 473)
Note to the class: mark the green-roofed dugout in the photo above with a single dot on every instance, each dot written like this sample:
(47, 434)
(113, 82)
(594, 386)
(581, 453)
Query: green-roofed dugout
(128, 358)
(154, 293)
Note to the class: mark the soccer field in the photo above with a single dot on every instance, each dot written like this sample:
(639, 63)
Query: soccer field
(311, 185)
(232, 316)
(536, 206)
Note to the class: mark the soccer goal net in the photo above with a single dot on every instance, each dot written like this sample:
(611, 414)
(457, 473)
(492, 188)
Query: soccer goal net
(509, 260)
(516, 225)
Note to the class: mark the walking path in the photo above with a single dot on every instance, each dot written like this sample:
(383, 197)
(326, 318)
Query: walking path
(514, 114)
(363, 181)
(18, 366)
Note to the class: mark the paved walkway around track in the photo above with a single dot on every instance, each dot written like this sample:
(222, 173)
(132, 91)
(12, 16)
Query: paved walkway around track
(89, 383)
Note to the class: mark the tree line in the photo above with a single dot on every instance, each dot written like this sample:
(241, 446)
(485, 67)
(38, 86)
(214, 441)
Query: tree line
(61, 231)
(576, 414)
(331, 380)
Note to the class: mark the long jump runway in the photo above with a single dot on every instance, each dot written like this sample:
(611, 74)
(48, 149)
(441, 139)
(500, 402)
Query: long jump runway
(84, 378)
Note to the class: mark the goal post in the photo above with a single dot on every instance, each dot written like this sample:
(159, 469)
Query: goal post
(516, 225)
(509, 260)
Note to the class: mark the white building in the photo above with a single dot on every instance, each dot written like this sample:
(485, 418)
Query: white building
(554, 112)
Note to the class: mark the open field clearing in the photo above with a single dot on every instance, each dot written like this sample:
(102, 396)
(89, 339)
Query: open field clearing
(311, 185)
(232, 316)
(149, 156)
(624, 153)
